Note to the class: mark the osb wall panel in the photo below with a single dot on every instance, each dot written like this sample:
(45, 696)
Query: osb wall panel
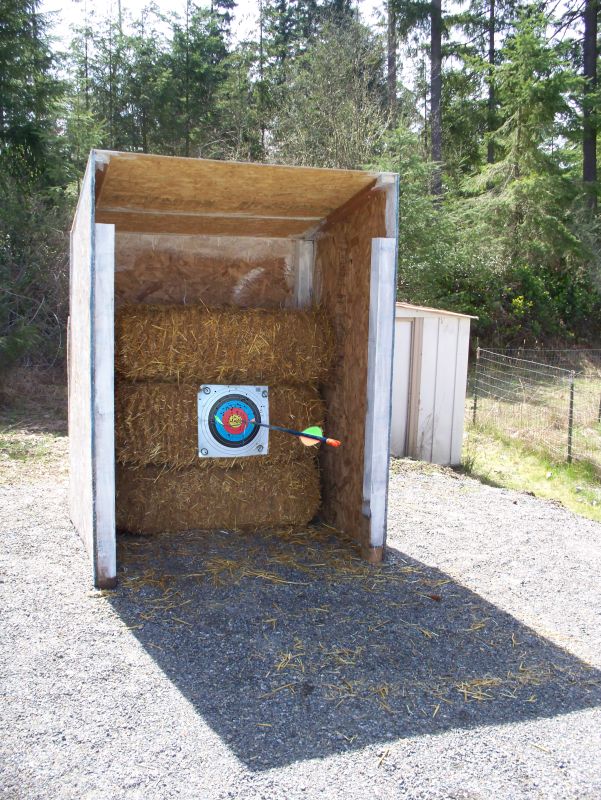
(215, 271)
(343, 267)
(81, 495)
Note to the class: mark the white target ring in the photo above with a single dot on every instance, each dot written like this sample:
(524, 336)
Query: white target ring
(225, 429)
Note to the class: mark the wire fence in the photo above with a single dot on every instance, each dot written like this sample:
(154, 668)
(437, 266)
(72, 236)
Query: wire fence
(550, 408)
(584, 361)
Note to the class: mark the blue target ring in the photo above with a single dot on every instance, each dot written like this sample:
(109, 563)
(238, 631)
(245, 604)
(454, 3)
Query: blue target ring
(229, 420)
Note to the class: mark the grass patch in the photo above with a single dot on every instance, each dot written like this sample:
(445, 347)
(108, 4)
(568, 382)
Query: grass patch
(33, 426)
(24, 446)
(499, 461)
(29, 455)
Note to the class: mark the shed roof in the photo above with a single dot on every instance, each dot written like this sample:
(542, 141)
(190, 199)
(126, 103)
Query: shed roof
(425, 311)
(166, 194)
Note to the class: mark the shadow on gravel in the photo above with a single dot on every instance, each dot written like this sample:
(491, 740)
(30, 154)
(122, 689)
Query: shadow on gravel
(291, 648)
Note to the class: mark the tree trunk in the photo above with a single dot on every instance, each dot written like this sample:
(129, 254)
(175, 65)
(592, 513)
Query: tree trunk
(435, 94)
(86, 68)
(111, 88)
(490, 123)
(261, 85)
(589, 132)
(392, 51)
(187, 121)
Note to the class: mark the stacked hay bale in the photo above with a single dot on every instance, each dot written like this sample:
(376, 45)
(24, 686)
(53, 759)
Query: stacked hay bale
(163, 354)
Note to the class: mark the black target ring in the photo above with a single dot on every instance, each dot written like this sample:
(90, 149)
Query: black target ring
(237, 406)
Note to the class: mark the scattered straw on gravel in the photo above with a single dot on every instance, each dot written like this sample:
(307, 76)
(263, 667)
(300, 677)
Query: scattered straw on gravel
(170, 687)
(365, 643)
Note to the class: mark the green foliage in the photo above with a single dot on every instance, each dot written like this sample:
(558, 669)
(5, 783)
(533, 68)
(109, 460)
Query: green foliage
(32, 219)
(332, 110)
(28, 90)
(241, 107)
(528, 282)
(16, 342)
(513, 241)
(33, 274)
(441, 262)
(464, 124)
(197, 64)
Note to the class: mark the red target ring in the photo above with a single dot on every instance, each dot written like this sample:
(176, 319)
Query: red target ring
(235, 420)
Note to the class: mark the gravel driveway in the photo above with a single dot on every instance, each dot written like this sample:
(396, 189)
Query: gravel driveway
(280, 666)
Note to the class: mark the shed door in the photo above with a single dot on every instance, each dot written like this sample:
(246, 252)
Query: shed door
(91, 398)
(401, 386)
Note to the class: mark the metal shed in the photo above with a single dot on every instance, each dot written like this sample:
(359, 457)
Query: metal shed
(154, 229)
(429, 383)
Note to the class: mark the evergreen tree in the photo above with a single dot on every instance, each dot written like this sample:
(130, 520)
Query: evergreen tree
(505, 104)
(482, 28)
(590, 55)
(333, 112)
(197, 61)
(147, 87)
(241, 106)
(416, 17)
(32, 261)
(223, 12)
(28, 90)
(528, 202)
(279, 28)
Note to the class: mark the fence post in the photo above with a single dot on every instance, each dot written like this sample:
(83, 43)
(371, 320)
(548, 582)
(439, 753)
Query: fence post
(571, 417)
(599, 414)
(475, 406)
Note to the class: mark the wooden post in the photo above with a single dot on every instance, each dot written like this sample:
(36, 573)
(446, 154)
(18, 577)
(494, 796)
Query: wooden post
(91, 390)
(379, 390)
(476, 373)
(303, 273)
(571, 417)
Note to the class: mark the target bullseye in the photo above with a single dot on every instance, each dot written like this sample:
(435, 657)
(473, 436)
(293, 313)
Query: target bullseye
(235, 419)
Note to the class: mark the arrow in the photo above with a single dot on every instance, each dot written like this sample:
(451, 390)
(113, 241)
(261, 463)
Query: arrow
(309, 437)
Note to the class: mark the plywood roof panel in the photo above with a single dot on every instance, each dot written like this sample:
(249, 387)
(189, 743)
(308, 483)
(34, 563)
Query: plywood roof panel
(164, 194)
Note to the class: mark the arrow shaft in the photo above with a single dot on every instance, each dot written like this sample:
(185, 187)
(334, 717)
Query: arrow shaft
(288, 430)
(292, 432)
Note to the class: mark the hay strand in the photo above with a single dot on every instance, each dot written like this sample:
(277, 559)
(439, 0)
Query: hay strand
(203, 345)
(157, 423)
(153, 499)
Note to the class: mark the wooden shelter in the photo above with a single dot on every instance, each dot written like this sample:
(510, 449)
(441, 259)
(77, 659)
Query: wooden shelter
(157, 229)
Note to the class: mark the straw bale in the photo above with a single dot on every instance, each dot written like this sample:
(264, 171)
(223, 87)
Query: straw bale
(225, 345)
(157, 423)
(153, 499)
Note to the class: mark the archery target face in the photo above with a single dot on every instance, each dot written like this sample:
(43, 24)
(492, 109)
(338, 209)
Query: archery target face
(224, 421)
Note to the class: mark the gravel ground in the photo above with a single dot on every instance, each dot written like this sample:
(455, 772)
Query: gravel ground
(280, 666)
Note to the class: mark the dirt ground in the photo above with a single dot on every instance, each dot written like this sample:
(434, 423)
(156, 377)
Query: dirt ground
(281, 666)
